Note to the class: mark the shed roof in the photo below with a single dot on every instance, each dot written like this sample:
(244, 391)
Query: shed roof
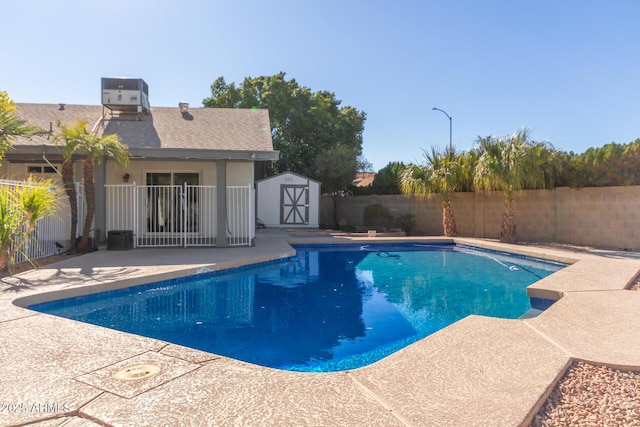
(284, 174)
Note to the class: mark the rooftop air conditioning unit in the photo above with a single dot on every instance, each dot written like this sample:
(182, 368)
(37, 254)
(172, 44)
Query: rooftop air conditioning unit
(125, 95)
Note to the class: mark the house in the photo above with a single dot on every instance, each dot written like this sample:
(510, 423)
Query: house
(288, 200)
(190, 180)
(363, 179)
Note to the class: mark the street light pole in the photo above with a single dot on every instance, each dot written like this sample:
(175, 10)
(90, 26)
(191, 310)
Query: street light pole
(450, 127)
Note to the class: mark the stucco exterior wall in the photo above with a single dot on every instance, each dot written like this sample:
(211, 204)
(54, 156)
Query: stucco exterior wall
(238, 173)
(19, 171)
(607, 217)
(137, 170)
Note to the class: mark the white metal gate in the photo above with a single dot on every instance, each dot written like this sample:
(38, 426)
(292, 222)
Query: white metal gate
(178, 215)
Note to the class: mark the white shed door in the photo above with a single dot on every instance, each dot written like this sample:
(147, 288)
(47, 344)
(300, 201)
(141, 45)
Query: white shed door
(294, 204)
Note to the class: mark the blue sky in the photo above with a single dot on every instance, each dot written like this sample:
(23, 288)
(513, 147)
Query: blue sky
(569, 70)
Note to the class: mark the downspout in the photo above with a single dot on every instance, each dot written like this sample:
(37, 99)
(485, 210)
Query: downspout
(44, 157)
(44, 151)
(94, 129)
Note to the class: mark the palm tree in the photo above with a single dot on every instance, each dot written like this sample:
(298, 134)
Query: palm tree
(467, 162)
(514, 163)
(387, 180)
(78, 139)
(71, 137)
(20, 209)
(11, 125)
(439, 174)
(97, 148)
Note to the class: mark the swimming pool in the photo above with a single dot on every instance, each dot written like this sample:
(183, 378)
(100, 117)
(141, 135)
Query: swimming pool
(329, 308)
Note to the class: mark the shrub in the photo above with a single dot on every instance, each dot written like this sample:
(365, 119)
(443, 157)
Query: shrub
(407, 222)
(377, 215)
(21, 207)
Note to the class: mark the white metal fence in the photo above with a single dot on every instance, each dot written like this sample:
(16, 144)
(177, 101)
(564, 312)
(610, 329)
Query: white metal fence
(178, 215)
(240, 215)
(51, 235)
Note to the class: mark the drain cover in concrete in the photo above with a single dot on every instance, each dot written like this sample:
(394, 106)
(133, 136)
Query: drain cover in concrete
(137, 372)
(131, 377)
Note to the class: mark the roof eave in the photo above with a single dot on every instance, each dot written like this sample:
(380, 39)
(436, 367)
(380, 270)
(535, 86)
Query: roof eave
(182, 153)
(28, 152)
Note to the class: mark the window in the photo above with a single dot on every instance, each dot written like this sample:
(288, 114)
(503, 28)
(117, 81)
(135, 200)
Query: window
(172, 178)
(32, 169)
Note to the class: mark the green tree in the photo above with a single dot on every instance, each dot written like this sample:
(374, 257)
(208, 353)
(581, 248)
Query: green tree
(77, 138)
(439, 174)
(11, 125)
(304, 124)
(20, 209)
(335, 169)
(610, 165)
(467, 162)
(514, 163)
(387, 180)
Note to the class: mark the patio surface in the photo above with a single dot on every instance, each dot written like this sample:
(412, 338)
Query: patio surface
(479, 371)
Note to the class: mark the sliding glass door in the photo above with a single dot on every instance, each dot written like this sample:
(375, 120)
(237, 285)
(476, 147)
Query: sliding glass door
(170, 208)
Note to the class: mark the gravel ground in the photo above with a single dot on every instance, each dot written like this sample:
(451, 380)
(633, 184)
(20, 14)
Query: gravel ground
(594, 396)
(591, 395)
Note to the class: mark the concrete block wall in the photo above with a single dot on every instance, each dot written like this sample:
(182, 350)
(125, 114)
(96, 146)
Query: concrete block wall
(427, 210)
(607, 217)
(536, 215)
(466, 213)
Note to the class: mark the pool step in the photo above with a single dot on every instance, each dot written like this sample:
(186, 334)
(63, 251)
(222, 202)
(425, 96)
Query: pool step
(531, 313)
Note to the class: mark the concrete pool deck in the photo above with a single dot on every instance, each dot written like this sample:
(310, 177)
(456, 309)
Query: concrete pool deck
(478, 371)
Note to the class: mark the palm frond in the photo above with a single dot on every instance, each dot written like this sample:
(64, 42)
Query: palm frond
(12, 126)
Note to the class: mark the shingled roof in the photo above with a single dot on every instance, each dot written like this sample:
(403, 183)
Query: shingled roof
(164, 132)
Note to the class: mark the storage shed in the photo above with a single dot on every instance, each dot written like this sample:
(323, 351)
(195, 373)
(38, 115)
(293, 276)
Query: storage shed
(288, 200)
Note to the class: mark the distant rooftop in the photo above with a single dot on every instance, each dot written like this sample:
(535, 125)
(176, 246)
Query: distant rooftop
(364, 179)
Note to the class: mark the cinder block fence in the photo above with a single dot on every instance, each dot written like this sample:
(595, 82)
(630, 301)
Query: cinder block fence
(605, 217)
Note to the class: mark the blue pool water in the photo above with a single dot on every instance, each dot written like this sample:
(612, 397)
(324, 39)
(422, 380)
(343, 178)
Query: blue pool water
(329, 308)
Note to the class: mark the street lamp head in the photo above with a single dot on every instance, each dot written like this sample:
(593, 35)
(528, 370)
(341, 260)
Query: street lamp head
(442, 111)
(450, 126)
